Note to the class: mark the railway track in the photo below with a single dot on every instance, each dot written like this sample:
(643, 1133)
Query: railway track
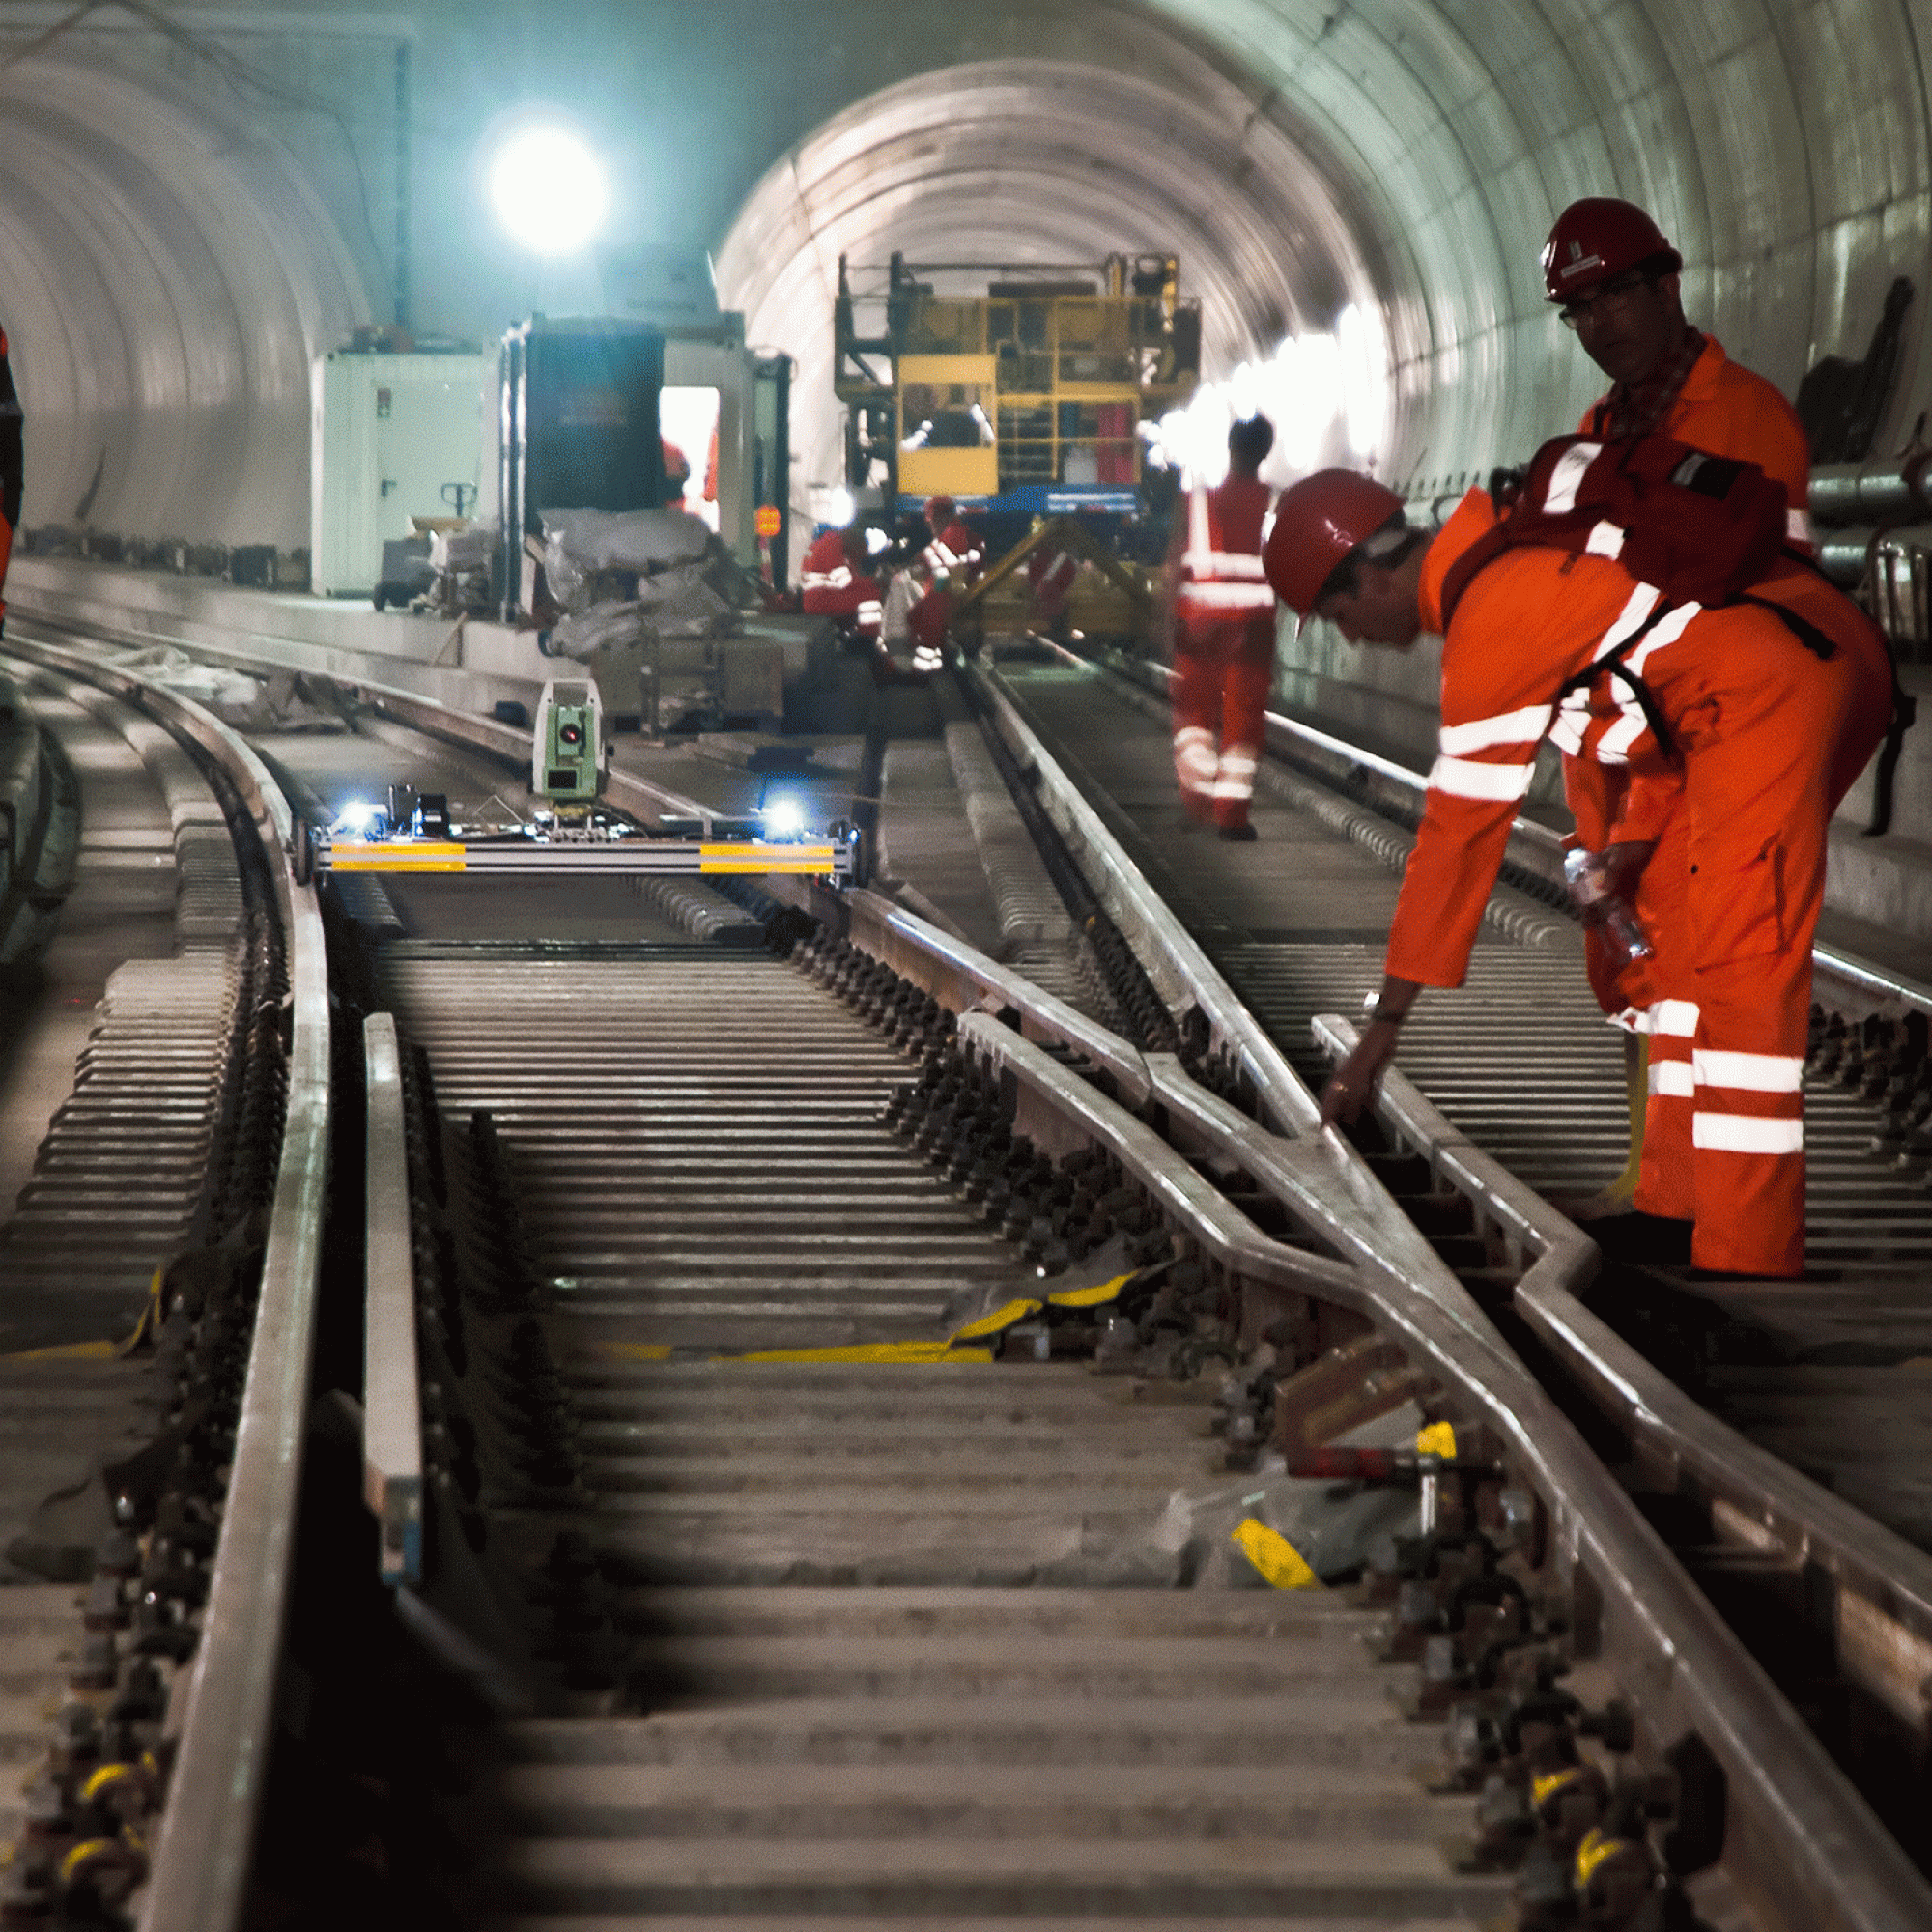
(871, 1640)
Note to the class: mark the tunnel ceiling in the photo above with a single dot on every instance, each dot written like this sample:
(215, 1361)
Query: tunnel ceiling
(180, 246)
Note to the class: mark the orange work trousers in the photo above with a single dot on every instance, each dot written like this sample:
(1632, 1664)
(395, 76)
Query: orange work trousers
(1730, 900)
(1222, 672)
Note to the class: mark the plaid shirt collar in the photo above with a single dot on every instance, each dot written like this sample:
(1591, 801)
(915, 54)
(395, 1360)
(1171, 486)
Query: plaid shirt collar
(1636, 408)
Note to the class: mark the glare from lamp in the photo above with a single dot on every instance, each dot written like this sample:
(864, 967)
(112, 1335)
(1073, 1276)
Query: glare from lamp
(548, 191)
(784, 818)
(357, 817)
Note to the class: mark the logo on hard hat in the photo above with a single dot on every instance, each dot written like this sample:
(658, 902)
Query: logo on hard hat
(1579, 260)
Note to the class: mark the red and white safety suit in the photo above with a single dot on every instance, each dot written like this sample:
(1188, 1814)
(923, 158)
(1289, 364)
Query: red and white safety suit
(830, 587)
(1050, 577)
(1769, 736)
(11, 463)
(1724, 410)
(1223, 650)
(956, 555)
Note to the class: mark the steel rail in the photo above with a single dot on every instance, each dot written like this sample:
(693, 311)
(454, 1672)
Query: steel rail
(1182, 971)
(223, 1724)
(1535, 846)
(393, 1444)
(1796, 1814)
(1883, 1584)
(1804, 1817)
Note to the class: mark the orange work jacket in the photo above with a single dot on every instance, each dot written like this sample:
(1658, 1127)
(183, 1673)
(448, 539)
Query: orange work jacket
(1724, 410)
(1526, 624)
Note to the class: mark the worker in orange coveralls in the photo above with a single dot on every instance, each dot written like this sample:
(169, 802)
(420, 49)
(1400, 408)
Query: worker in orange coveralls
(1614, 277)
(1769, 734)
(12, 467)
(1223, 636)
(833, 582)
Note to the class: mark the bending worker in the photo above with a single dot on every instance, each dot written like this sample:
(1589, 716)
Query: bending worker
(12, 467)
(1614, 279)
(833, 582)
(1766, 733)
(1223, 636)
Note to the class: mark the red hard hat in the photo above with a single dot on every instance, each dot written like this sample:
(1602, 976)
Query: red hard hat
(1316, 522)
(940, 511)
(1596, 239)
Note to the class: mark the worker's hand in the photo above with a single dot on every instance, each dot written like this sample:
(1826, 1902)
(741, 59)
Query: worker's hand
(1355, 1080)
(1623, 867)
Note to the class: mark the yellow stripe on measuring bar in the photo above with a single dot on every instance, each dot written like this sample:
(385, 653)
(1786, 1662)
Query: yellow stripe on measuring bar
(767, 858)
(387, 858)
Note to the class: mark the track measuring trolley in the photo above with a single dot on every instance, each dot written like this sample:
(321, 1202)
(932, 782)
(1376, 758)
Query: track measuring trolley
(568, 830)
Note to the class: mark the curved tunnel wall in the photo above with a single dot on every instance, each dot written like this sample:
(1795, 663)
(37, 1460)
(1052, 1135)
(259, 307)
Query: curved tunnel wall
(169, 277)
(174, 265)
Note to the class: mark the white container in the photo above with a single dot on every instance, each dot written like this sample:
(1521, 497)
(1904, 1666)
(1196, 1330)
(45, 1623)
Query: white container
(392, 437)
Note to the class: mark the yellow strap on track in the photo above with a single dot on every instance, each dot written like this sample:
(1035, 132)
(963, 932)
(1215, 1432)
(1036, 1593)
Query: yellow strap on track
(1092, 1297)
(995, 1323)
(917, 1354)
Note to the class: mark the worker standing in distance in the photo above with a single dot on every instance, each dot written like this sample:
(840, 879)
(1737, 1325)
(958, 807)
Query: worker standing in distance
(1614, 279)
(835, 581)
(1051, 573)
(11, 468)
(1222, 629)
(1767, 730)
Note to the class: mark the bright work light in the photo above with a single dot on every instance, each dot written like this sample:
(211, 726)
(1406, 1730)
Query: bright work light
(784, 818)
(548, 191)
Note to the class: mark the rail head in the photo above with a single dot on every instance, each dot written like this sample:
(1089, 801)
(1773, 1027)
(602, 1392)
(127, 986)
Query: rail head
(1173, 958)
(200, 1855)
(1793, 1811)
(392, 1441)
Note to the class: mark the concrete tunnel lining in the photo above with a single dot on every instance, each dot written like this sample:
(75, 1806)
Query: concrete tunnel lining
(180, 260)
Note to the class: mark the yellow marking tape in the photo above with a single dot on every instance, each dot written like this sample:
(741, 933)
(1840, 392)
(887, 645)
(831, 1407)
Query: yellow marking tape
(917, 1354)
(813, 858)
(1274, 1556)
(1092, 1297)
(1437, 1439)
(1000, 1319)
(1592, 1850)
(146, 1328)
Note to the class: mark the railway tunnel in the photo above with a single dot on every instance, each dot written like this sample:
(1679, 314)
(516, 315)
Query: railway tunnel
(869, 1625)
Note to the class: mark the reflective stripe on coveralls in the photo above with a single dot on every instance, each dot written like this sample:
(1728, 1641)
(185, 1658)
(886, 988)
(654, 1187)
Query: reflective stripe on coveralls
(1216, 582)
(1724, 410)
